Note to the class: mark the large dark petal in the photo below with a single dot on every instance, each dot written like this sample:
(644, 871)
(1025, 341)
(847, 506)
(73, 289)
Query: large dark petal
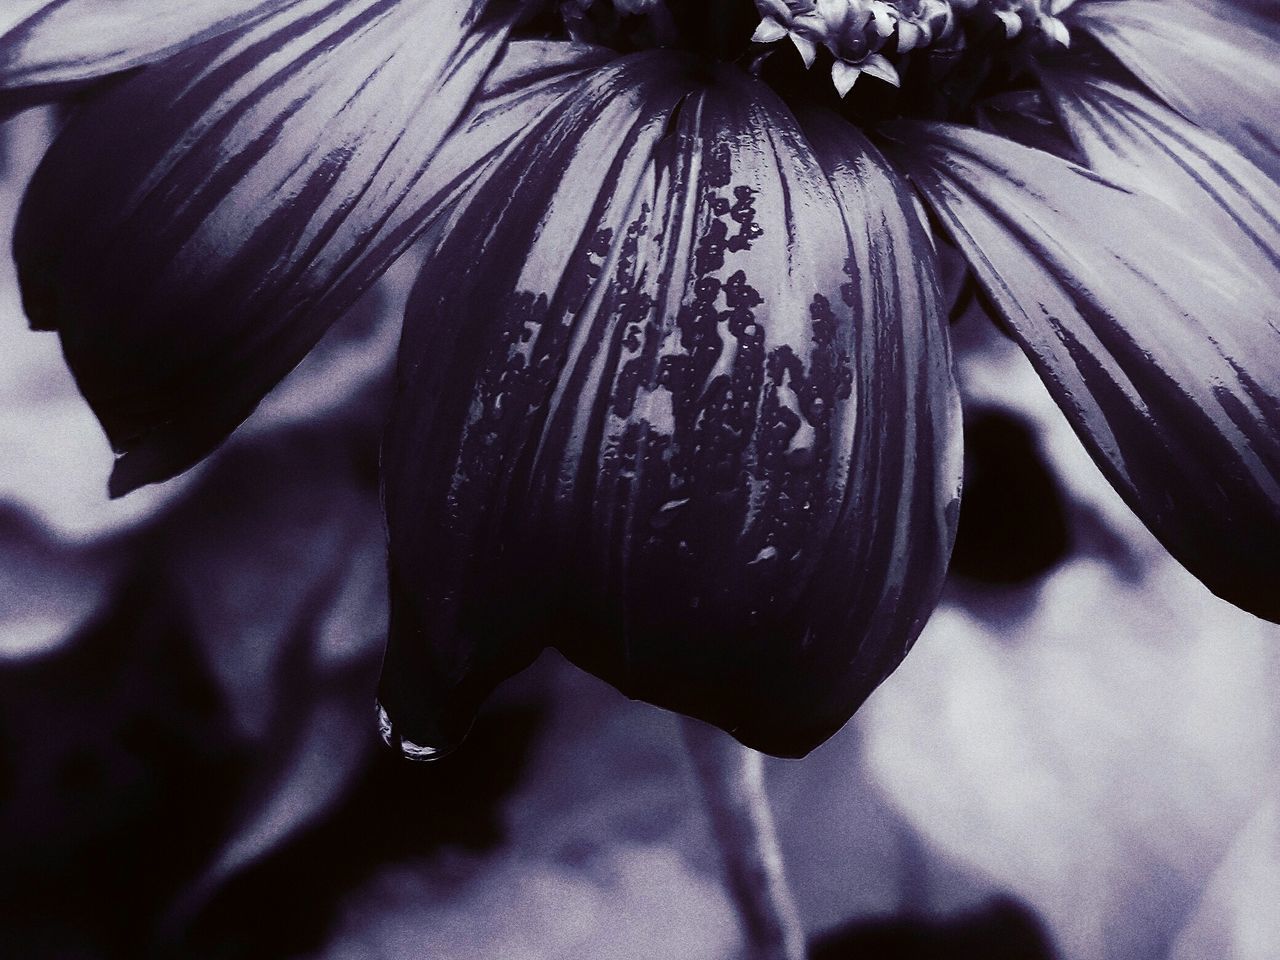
(1161, 346)
(196, 229)
(46, 43)
(1204, 60)
(1125, 135)
(676, 400)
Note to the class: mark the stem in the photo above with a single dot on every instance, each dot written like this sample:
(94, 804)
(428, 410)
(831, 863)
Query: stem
(732, 780)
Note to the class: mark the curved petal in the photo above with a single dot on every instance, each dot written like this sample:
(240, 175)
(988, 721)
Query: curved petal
(676, 400)
(52, 42)
(1026, 117)
(1207, 64)
(1125, 135)
(530, 78)
(240, 197)
(1257, 14)
(1162, 348)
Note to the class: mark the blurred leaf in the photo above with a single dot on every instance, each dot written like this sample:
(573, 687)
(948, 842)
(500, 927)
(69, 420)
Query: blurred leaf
(1236, 918)
(250, 597)
(118, 767)
(637, 902)
(1097, 754)
(49, 588)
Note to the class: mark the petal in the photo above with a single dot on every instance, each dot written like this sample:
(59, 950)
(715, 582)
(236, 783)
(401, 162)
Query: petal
(844, 76)
(678, 401)
(1026, 116)
(530, 78)
(49, 42)
(262, 181)
(769, 30)
(1125, 135)
(1161, 347)
(1206, 64)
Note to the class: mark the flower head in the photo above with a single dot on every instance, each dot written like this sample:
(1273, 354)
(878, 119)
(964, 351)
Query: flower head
(674, 391)
(874, 37)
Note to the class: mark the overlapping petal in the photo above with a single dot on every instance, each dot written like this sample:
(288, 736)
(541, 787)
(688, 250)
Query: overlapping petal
(675, 397)
(47, 43)
(1125, 135)
(1160, 344)
(239, 197)
(1203, 59)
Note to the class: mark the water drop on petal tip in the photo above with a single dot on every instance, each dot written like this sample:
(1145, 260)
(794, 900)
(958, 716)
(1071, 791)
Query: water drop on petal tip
(407, 748)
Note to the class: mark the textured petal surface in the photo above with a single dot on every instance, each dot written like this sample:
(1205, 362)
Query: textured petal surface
(1160, 345)
(48, 42)
(1125, 135)
(1204, 60)
(262, 181)
(676, 400)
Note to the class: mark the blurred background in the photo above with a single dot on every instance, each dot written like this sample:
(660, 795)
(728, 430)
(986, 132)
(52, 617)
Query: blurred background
(1079, 759)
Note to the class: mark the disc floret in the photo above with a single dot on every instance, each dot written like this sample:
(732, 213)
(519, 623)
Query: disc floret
(875, 36)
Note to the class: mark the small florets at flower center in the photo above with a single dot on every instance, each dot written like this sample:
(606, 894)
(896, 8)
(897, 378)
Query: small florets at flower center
(842, 39)
(873, 36)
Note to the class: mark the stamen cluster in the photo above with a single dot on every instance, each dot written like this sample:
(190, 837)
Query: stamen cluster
(873, 36)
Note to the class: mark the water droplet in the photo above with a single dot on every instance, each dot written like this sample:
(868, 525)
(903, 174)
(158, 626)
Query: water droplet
(407, 748)
(765, 555)
(667, 512)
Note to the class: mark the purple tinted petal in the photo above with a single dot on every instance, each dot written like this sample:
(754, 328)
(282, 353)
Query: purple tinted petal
(1209, 64)
(1162, 347)
(51, 42)
(676, 400)
(239, 197)
(1026, 117)
(1125, 135)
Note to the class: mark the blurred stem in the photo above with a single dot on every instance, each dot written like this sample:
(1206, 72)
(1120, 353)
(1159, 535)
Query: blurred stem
(732, 780)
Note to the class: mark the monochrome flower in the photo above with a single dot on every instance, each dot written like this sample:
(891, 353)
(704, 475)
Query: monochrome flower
(674, 389)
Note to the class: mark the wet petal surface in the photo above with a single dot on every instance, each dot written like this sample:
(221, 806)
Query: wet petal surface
(268, 178)
(686, 414)
(1204, 60)
(44, 43)
(1165, 359)
(1125, 135)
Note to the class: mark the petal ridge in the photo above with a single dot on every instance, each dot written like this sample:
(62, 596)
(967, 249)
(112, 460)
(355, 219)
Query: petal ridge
(1167, 363)
(270, 176)
(642, 418)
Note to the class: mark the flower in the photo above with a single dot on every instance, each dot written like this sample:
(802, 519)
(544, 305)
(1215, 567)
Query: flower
(674, 389)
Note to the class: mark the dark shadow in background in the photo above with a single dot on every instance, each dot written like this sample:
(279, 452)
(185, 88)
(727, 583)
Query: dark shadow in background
(400, 811)
(1013, 519)
(119, 773)
(119, 768)
(1004, 929)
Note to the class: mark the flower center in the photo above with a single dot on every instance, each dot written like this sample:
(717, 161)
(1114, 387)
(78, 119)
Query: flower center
(876, 37)
(921, 56)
